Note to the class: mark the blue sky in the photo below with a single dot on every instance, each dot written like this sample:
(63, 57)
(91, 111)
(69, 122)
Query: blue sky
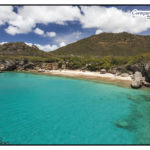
(50, 27)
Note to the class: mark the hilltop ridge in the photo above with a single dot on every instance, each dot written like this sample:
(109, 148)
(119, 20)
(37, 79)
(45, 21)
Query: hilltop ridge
(107, 44)
(21, 49)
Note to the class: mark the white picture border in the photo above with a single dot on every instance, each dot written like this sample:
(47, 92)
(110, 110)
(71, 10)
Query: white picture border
(77, 2)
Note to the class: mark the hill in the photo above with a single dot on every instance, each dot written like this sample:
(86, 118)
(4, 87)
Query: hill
(21, 49)
(107, 44)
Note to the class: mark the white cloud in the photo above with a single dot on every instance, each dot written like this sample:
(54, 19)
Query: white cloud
(62, 44)
(98, 31)
(12, 30)
(112, 20)
(51, 34)
(68, 38)
(42, 33)
(20, 25)
(39, 31)
(103, 18)
(46, 47)
(3, 43)
(6, 14)
(28, 16)
(29, 44)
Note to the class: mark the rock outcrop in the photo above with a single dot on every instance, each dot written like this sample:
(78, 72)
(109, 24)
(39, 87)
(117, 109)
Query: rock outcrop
(63, 66)
(103, 71)
(147, 72)
(10, 65)
(138, 80)
(136, 67)
(119, 70)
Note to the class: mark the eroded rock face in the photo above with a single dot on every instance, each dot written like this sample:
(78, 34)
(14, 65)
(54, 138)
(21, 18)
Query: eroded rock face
(136, 67)
(144, 69)
(103, 71)
(147, 84)
(147, 72)
(55, 66)
(136, 84)
(137, 80)
(47, 66)
(9, 65)
(119, 71)
(63, 66)
(112, 70)
(2, 67)
(29, 66)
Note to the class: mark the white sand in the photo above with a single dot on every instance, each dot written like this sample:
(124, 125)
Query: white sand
(78, 73)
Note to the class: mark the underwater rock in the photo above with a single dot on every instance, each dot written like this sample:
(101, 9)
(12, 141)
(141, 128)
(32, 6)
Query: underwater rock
(132, 98)
(147, 98)
(122, 124)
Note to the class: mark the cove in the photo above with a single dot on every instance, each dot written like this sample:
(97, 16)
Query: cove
(40, 109)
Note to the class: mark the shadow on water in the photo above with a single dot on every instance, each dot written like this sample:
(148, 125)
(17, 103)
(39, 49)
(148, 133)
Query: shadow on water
(138, 121)
(3, 142)
(142, 113)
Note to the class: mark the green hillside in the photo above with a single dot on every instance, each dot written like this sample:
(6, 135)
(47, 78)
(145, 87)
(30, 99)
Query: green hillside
(107, 44)
(21, 49)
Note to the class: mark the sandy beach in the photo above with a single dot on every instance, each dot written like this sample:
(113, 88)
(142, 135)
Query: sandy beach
(95, 76)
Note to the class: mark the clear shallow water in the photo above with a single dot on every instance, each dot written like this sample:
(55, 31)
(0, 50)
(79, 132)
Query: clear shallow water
(38, 109)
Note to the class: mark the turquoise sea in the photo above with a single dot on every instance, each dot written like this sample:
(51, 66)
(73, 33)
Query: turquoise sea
(40, 109)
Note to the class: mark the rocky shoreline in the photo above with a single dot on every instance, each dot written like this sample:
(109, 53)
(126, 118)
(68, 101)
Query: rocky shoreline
(139, 73)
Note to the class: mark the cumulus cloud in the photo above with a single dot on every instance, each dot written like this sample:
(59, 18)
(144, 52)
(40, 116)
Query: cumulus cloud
(27, 18)
(3, 43)
(20, 25)
(112, 20)
(102, 18)
(6, 14)
(62, 44)
(51, 34)
(39, 31)
(68, 38)
(46, 47)
(42, 33)
(98, 31)
(29, 44)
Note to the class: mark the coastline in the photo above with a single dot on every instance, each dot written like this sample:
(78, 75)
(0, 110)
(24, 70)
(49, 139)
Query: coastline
(87, 75)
